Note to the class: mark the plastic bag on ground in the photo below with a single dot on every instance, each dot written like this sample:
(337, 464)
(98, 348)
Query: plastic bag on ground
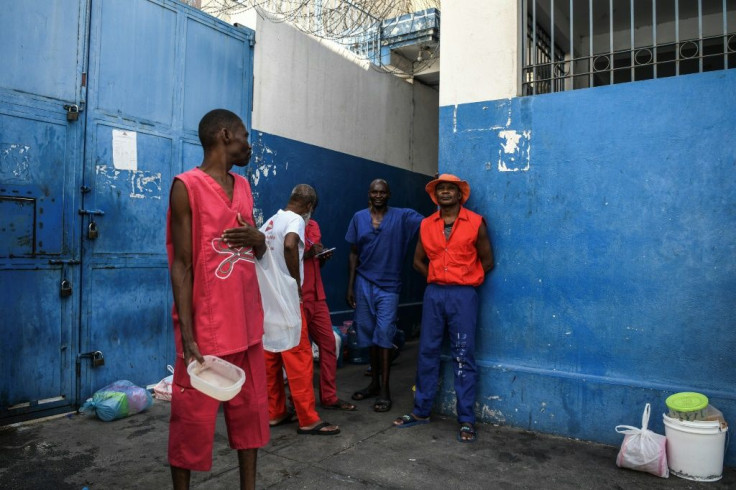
(642, 449)
(162, 390)
(118, 400)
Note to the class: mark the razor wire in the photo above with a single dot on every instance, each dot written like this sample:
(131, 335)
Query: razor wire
(354, 24)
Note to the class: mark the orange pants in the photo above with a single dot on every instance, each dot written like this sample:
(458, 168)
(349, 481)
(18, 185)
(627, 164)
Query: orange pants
(299, 364)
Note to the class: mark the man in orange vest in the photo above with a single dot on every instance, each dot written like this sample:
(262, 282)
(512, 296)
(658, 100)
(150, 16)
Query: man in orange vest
(454, 254)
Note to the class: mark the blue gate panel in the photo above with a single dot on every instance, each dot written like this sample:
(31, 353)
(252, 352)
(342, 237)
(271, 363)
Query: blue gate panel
(136, 62)
(31, 332)
(215, 73)
(129, 318)
(36, 58)
(32, 154)
(192, 156)
(134, 201)
(17, 233)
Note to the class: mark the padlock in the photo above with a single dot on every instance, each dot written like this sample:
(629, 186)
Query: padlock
(65, 289)
(72, 112)
(98, 359)
(92, 231)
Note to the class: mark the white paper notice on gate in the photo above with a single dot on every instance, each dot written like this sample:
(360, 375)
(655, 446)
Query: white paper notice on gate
(124, 150)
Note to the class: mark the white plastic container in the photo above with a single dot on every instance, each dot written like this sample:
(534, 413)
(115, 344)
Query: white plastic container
(216, 377)
(695, 449)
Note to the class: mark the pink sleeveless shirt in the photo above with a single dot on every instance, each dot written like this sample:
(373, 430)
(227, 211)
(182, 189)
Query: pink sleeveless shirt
(226, 302)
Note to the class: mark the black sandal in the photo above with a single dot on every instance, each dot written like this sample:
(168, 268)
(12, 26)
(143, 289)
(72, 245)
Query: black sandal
(382, 405)
(364, 394)
(467, 429)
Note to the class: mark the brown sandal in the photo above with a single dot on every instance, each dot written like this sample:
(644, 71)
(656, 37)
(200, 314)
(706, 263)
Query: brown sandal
(341, 405)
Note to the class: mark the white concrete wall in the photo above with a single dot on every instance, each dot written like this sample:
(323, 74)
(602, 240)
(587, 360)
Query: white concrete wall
(479, 51)
(307, 91)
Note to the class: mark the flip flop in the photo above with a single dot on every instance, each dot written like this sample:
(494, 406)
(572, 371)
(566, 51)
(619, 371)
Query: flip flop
(341, 405)
(466, 428)
(317, 430)
(363, 394)
(289, 418)
(382, 405)
(409, 420)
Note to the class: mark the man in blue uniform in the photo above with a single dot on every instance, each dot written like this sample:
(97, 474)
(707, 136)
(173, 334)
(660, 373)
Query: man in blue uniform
(379, 237)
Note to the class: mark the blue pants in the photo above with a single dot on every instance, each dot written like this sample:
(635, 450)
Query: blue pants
(454, 308)
(376, 312)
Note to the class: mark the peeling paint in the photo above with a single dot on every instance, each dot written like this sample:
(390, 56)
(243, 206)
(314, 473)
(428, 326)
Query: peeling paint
(15, 162)
(142, 184)
(264, 164)
(513, 155)
(487, 413)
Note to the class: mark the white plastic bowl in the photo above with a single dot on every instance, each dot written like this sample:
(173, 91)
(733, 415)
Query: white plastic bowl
(216, 377)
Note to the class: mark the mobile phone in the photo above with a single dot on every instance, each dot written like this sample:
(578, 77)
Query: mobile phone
(325, 251)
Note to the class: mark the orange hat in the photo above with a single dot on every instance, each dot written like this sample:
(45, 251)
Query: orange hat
(464, 187)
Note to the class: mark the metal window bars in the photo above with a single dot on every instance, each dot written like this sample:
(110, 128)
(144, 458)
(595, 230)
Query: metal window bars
(572, 44)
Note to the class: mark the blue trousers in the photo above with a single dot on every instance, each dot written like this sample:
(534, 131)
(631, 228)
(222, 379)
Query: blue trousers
(376, 313)
(455, 309)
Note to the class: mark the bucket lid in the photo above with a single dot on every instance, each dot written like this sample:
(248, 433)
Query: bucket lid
(687, 402)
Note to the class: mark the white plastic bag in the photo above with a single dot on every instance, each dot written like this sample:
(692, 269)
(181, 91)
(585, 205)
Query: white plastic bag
(642, 449)
(282, 316)
(162, 390)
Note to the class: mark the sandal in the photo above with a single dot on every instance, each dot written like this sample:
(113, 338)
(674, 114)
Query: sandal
(340, 405)
(317, 430)
(363, 394)
(289, 418)
(382, 405)
(409, 420)
(467, 430)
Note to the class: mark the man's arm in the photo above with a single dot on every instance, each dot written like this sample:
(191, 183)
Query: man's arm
(291, 256)
(420, 259)
(483, 245)
(182, 276)
(352, 266)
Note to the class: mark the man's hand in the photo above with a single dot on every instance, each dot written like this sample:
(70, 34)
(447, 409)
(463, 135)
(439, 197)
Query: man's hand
(191, 352)
(325, 257)
(350, 298)
(245, 236)
(314, 250)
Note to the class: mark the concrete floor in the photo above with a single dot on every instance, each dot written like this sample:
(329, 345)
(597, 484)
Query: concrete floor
(77, 451)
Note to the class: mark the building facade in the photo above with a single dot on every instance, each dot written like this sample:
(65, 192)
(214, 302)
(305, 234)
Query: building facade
(610, 198)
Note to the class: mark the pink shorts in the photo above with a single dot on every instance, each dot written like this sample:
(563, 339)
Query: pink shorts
(193, 414)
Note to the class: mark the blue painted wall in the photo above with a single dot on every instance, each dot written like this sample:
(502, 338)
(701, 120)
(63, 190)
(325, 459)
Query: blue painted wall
(342, 182)
(612, 213)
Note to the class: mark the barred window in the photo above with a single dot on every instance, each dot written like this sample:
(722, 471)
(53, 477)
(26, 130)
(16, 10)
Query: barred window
(572, 44)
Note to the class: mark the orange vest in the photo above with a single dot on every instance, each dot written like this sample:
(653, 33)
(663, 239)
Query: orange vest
(454, 261)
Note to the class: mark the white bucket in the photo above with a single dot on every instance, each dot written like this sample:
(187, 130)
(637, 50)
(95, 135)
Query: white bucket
(695, 449)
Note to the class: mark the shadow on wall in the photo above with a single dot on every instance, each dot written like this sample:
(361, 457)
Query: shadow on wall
(342, 181)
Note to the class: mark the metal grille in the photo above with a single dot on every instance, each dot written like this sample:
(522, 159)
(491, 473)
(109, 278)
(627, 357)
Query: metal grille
(572, 44)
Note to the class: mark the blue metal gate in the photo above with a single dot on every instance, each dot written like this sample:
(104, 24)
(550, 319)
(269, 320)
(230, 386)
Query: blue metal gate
(83, 201)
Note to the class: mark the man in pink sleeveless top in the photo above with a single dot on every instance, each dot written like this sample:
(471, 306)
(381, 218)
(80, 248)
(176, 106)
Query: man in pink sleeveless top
(212, 245)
